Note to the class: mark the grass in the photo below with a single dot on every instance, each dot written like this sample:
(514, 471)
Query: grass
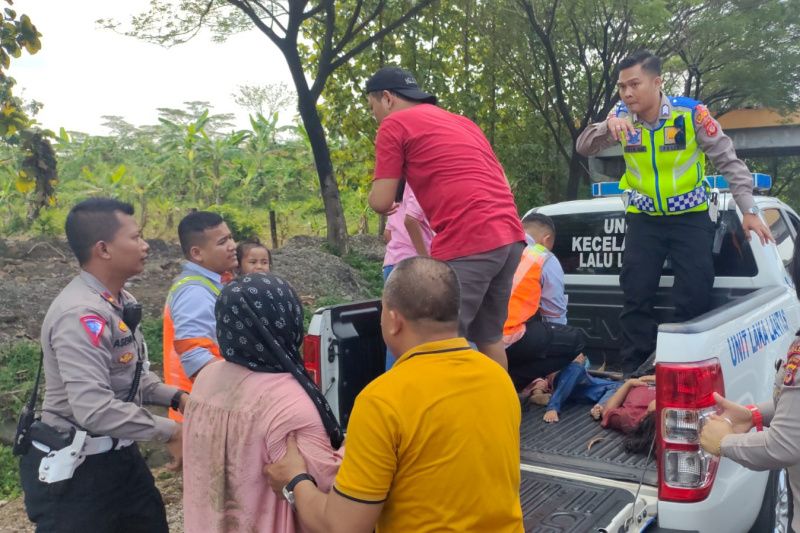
(371, 271)
(18, 364)
(152, 329)
(9, 474)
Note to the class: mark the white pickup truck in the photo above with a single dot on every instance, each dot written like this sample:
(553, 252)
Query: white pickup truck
(576, 476)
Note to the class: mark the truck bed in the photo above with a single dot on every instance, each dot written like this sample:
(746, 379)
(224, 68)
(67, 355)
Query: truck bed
(553, 505)
(564, 445)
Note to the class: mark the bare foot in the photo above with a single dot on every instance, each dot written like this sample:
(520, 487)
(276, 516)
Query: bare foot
(551, 416)
(540, 398)
(597, 412)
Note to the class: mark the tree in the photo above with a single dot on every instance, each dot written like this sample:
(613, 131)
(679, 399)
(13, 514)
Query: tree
(761, 36)
(315, 38)
(265, 100)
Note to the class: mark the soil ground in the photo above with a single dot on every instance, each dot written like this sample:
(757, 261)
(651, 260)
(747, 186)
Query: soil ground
(32, 272)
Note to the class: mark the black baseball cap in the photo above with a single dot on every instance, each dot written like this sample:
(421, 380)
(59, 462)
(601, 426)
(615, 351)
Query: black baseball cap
(400, 81)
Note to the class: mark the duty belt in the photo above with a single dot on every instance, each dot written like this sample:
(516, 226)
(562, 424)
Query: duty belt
(675, 204)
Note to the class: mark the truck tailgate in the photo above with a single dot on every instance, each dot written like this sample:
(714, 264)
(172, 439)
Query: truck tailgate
(551, 504)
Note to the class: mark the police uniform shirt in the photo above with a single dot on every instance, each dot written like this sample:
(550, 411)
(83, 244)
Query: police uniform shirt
(779, 445)
(717, 146)
(90, 358)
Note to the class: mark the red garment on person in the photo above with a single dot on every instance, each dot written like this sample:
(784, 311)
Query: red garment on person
(627, 417)
(456, 177)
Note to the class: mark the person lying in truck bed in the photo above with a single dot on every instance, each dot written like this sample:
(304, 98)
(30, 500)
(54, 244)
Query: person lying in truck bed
(628, 407)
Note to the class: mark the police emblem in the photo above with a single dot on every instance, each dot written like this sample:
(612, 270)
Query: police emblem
(635, 138)
(701, 114)
(123, 327)
(790, 369)
(126, 358)
(94, 326)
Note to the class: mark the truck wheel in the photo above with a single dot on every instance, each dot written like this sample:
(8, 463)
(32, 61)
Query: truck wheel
(774, 513)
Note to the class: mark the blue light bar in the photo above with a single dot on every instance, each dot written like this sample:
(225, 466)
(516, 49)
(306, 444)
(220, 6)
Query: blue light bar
(606, 188)
(761, 182)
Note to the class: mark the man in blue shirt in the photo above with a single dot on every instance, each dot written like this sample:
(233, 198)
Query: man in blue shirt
(537, 338)
(190, 329)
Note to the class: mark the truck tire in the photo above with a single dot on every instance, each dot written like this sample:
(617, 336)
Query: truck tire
(774, 513)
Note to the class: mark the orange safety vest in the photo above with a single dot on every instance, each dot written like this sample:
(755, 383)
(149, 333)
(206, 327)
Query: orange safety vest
(173, 370)
(526, 290)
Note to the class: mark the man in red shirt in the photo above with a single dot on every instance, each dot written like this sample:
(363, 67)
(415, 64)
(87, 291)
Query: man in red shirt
(460, 185)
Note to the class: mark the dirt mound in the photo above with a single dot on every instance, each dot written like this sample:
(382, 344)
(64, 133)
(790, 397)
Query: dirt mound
(33, 272)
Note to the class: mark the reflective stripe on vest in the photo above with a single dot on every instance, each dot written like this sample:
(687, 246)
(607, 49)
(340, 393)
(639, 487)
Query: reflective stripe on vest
(526, 290)
(665, 167)
(173, 370)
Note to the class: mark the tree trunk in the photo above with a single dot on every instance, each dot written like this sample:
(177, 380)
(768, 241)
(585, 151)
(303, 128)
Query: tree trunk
(334, 214)
(273, 228)
(381, 225)
(577, 173)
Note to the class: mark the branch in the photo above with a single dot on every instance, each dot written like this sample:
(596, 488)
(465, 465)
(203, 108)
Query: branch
(348, 33)
(244, 6)
(558, 82)
(344, 58)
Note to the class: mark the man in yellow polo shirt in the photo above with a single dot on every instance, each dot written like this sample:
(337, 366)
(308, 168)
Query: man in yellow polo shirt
(433, 444)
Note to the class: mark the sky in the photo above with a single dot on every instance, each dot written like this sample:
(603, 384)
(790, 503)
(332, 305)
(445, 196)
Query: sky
(84, 72)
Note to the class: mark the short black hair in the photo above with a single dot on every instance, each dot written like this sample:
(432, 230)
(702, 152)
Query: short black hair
(245, 246)
(191, 228)
(92, 221)
(377, 95)
(538, 219)
(647, 59)
(426, 290)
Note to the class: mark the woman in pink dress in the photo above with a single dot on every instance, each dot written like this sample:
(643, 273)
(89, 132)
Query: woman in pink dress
(242, 409)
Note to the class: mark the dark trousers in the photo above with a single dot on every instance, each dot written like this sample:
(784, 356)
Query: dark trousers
(544, 348)
(109, 493)
(688, 240)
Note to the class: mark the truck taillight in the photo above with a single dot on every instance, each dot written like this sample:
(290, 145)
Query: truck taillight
(311, 357)
(684, 399)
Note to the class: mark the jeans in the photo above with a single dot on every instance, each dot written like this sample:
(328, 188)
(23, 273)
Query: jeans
(389, 356)
(575, 383)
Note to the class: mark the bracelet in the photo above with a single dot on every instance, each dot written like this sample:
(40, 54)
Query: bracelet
(175, 402)
(758, 419)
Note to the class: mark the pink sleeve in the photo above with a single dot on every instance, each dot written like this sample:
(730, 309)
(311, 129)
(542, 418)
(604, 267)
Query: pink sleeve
(299, 416)
(411, 205)
(389, 150)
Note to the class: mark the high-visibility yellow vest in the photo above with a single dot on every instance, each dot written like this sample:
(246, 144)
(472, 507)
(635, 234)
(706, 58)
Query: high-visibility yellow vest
(665, 167)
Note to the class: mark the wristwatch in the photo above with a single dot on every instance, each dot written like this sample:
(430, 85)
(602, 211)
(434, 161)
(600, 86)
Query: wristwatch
(175, 402)
(755, 210)
(288, 490)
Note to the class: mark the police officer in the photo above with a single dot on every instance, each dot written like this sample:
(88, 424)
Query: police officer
(89, 474)
(665, 142)
(771, 448)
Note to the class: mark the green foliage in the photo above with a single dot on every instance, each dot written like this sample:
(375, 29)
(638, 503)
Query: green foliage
(241, 224)
(153, 331)
(370, 270)
(10, 486)
(18, 363)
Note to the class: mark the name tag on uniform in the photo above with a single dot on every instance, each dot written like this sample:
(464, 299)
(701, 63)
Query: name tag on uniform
(634, 141)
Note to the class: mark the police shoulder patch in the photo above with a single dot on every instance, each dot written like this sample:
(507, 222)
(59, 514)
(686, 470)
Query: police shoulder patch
(790, 369)
(94, 326)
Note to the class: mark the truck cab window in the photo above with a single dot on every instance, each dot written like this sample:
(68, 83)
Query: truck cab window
(780, 230)
(593, 243)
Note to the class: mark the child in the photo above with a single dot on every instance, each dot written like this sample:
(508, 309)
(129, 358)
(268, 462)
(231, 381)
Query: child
(253, 257)
(632, 410)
